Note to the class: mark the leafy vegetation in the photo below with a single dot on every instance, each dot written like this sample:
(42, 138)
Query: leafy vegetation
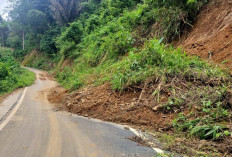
(207, 123)
(12, 76)
(102, 36)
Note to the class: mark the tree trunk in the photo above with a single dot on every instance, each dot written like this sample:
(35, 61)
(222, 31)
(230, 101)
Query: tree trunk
(23, 40)
(2, 40)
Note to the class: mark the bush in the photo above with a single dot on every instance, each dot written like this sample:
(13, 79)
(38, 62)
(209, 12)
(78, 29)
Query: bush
(203, 124)
(12, 76)
(210, 132)
(47, 44)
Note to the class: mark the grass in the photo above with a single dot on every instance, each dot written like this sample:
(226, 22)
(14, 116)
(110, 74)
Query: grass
(183, 146)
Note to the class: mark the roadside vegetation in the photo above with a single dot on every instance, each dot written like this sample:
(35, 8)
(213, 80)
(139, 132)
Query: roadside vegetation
(126, 44)
(12, 76)
(103, 36)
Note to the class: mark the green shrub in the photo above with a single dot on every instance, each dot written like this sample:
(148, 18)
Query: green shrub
(12, 76)
(47, 44)
(203, 124)
(68, 79)
(210, 132)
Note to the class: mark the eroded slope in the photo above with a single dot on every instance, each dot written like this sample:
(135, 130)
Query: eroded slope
(211, 37)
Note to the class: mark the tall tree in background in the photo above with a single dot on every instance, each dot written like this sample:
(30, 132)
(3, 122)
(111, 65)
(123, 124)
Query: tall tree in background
(4, 31)
(18, 13)
(65, 11)
(37, 21)
(1, 19)
(35, 24)
(18, 30)
(31, 18)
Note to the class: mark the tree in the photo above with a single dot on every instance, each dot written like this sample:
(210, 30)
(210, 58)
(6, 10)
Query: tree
(65, 11)
(47, 43)
(30, 19)
(18, 13)
(37, 21)
(18, 30)
(4, 31)
(1, 19)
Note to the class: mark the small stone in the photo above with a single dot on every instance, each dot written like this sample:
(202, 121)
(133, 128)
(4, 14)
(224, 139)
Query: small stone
(126, 128)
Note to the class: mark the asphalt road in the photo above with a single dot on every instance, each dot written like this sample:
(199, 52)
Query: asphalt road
(37, 130)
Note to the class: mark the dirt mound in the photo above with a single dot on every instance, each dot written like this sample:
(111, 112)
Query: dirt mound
(46, 76)
(56, 95)
(211, 37)
(103, 103)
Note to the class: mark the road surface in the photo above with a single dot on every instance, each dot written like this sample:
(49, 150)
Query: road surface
(37, 130)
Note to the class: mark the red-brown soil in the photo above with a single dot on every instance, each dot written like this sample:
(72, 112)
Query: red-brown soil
(211, 36)
(46, 76)
(104, 103)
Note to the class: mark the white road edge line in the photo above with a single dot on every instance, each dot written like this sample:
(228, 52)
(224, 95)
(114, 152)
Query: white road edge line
(159, 151)
(14, 110)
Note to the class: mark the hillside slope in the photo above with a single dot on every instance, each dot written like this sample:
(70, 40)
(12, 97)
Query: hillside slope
(211, 37)
(154, 86)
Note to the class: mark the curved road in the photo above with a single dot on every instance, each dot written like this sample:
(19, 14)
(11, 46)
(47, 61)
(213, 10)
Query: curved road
(36, 130)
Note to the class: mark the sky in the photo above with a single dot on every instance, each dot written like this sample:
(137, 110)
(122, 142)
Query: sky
(3, 4)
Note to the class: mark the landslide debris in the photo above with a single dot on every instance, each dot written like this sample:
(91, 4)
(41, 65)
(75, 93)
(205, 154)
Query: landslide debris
(136, 106)
(104, 103)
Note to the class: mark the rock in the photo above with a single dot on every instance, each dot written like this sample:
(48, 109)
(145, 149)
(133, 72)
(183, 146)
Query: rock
(126, 128)
(156, 108)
